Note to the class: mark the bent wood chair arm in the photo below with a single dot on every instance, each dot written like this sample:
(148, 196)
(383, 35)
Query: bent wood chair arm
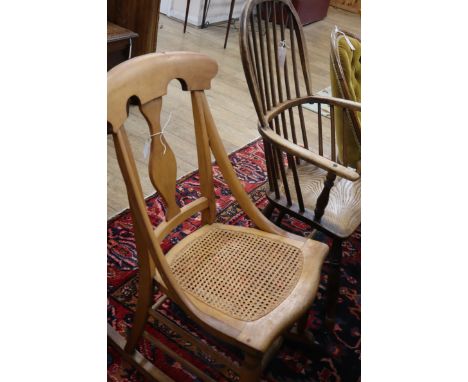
(307, 155)
(333, 101)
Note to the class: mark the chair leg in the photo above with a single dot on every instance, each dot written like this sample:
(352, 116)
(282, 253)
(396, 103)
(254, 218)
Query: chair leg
(298, 332)
(205, 12)
(298, 335)
(333, 283)
(141, 313)
(186, 15)
(268, 210)
(302, 323)
(280, 218)
(229, 22)
(251, 369)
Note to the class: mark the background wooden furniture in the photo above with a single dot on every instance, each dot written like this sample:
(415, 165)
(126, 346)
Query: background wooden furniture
(304, 180)
(245, 286)
(348, 5)
(310, 11)
(140, 16)
(119, 44)
(205, 13)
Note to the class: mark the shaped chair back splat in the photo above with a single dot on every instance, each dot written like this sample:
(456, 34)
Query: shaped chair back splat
(256, 304)
(306, 179)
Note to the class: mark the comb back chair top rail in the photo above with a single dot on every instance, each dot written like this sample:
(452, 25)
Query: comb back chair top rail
(305, 176)
(226, 278)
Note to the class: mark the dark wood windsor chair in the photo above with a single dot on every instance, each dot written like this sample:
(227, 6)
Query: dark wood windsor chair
(305, 178)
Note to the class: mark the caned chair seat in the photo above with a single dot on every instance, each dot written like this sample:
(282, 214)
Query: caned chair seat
(343, 213)
(248, 278)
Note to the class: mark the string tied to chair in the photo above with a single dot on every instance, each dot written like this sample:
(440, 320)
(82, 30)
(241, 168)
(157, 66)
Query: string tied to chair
(146, 149)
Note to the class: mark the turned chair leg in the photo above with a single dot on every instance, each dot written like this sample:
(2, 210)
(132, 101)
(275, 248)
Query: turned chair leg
(268, 210)
(280, 218)
(251, 370)
(333, 286)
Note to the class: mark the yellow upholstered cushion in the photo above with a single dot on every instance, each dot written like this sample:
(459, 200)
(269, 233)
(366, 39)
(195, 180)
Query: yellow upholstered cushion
(351, 64)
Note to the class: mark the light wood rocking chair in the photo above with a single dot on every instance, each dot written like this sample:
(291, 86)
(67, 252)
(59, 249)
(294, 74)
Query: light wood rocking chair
(245, 286)
(306, 180)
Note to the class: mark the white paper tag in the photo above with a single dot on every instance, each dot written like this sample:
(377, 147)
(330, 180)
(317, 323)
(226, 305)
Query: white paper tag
(282, 53)
(147, 147)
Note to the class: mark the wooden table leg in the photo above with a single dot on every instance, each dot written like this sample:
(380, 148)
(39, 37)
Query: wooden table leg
(229, 22)
(186, 15)
(205, 11)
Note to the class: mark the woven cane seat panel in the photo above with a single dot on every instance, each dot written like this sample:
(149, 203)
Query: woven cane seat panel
(343, 212)
(238, 273)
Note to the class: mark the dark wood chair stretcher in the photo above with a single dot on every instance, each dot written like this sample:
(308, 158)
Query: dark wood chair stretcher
(305, 178)
(245, 286)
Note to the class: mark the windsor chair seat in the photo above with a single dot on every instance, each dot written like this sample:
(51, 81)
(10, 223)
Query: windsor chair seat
(245, 286)
(306, 177)
(343, 213)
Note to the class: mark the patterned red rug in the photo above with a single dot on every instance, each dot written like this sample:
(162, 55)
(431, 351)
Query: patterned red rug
(292, 363)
